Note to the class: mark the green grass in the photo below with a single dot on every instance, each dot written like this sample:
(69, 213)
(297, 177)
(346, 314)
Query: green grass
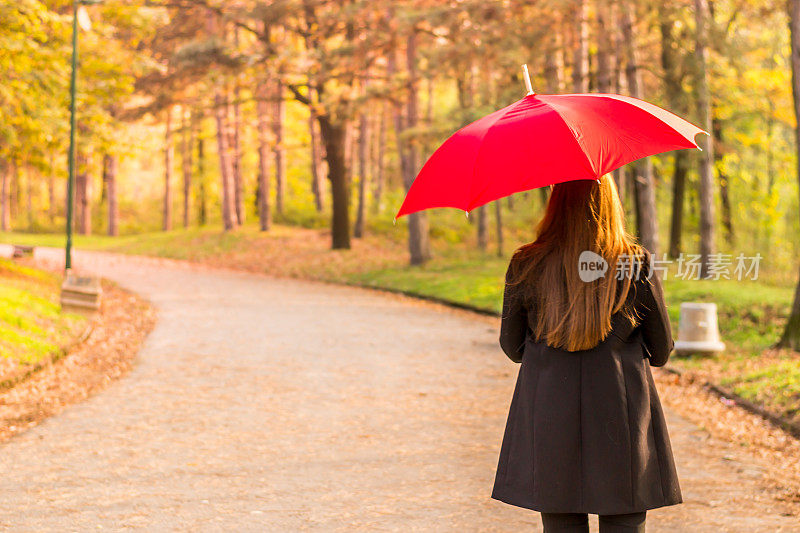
(778, 382)
(193, 244)
(32, 326)
(473, 281)
(751, 313)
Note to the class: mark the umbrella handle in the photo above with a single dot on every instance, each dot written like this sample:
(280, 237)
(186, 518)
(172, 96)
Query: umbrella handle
(527, 78)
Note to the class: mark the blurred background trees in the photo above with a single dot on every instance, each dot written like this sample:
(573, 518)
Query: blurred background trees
(321, 112)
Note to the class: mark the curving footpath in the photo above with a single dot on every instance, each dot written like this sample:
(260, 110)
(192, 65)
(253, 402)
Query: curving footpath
(261, 404)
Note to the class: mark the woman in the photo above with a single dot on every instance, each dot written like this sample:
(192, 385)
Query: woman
(585, 431)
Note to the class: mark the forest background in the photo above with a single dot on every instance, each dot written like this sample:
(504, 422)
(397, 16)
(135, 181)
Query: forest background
(249, 130)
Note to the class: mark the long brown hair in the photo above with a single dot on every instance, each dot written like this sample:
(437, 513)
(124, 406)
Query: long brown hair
(570, 313)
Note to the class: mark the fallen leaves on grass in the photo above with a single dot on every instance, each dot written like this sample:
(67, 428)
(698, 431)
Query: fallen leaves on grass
(301, 253)
(776, 450)
(118, 330)
(770, 379)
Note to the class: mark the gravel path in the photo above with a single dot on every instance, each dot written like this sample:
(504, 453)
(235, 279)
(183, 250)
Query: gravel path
(260, 404)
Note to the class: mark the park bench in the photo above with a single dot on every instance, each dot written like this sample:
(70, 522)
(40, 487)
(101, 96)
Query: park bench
(21, 250)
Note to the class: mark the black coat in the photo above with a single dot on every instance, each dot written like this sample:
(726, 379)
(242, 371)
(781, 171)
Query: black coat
(586, 432)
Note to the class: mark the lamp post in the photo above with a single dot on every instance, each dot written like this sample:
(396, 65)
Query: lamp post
(71, 155)
(72, 120)
(80, 294)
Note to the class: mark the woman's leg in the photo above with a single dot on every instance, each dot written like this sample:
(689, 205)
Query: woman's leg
(565, 522)
(622, 523)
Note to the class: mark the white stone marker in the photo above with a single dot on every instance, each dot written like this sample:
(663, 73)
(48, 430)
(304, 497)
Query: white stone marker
(698, 332)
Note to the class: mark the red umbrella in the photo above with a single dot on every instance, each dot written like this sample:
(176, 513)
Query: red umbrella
(543, 140)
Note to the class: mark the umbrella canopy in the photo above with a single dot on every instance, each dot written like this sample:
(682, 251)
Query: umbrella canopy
(543, 140)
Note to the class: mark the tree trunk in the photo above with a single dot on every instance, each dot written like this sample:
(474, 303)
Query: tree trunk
(678, 195)
(29, 198)
(262, 111)
(202, 214)
(725, 201)
(635, 177)
(77, 192)
(235, 145)
(5, 208)
(706, 192)
(724, 183)
(619, 86)
(498, 214)
(483, 240)
(554, 63)
(620, 181)
(83, 191)
(51, 190)
(363, 178)
(464, 90)
(349, 136)
(280, 164)
(379, 160)
(418, 231)
(14, 196)
(619, 39)
(466, 101)
(430, 145)
(673, 86)
(236, 158)
(768, 148)
(333, 136)
(791, 334)
(110, 181)
(429, 101)
(169, 153)
(605, 47)
(224, 164)
(317, 183)
(644, 187)
(580, 68)
(187, 142)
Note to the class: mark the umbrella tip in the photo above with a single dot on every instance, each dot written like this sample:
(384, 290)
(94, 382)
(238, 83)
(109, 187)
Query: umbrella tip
(527, 78)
